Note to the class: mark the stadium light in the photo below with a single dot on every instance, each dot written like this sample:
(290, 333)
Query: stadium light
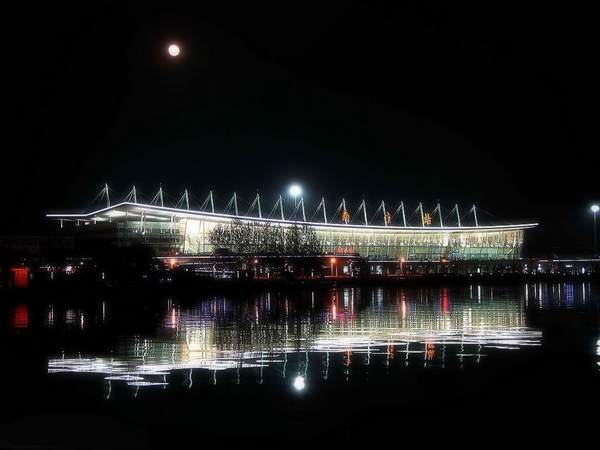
(295, 190)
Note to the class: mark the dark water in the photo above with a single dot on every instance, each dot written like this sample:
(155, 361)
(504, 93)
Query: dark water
(278, 369)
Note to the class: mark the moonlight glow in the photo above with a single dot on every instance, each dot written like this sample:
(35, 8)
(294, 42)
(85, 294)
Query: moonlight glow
(174, 50)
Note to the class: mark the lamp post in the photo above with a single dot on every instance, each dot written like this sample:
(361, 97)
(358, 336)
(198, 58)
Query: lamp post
(595, 208)
(332, 260)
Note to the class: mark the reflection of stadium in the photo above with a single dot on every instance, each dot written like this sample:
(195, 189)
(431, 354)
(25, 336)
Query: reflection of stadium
(416, 237)
(362, 329)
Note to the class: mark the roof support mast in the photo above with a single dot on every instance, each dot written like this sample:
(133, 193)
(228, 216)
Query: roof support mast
(131, 196)
(457, 214)
(385, 222)
(420, 208)
(258, 204)
(475, 215)
(403, 213)
(340, 209)
(107, 196)
(158, 198)
(303, 213)
(364, 207)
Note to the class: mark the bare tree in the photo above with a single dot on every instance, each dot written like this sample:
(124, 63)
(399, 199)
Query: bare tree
(265, 238)
(309, 241)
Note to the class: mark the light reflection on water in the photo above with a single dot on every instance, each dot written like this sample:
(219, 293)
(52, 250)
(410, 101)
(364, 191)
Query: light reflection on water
(564, 295)
(311, 338)
(315, 335)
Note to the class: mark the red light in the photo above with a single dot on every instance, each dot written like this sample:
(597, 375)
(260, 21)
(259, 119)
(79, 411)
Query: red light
(20, 277)
(21, 317)
(445, 301)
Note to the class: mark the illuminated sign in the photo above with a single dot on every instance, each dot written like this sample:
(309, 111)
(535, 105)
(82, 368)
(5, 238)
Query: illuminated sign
(345, 216)
(388, 218)
(427, 219)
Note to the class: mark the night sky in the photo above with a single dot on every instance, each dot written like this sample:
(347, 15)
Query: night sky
(480, 103)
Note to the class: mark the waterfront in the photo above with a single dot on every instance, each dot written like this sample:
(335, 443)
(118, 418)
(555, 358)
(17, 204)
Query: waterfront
(322, 364)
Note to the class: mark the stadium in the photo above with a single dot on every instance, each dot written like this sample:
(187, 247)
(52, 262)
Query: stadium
(182, 230)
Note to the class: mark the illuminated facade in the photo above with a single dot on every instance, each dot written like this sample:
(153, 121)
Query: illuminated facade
(187, 232)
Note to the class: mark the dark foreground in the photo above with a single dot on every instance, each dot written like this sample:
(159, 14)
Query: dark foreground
(464, 364)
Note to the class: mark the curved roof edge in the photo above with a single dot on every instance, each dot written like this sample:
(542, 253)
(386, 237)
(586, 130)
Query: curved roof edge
(168, 211)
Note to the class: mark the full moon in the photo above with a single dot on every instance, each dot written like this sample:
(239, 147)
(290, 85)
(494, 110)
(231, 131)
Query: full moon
(174, 50)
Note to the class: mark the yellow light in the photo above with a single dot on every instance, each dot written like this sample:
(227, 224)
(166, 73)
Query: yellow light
(332, 260)
(345, 217)
(427, 219)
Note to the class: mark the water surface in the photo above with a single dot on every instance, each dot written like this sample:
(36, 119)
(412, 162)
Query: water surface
(253, 367)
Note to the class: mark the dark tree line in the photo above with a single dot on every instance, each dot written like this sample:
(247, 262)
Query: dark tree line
(266, 239)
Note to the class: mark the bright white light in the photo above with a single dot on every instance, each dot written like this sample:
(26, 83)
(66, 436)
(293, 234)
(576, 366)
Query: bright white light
(299, 384)
(595, 208)
(295, 190)
(174, 50)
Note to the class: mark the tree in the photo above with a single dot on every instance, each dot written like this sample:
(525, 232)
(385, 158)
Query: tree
(293, 240)
(220, 236)
(265, 238)
(310, 244)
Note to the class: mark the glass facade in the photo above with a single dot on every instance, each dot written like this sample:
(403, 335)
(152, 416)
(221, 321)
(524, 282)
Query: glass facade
(392, 244)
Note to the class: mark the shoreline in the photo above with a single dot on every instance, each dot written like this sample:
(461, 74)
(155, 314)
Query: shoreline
(143, 290)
